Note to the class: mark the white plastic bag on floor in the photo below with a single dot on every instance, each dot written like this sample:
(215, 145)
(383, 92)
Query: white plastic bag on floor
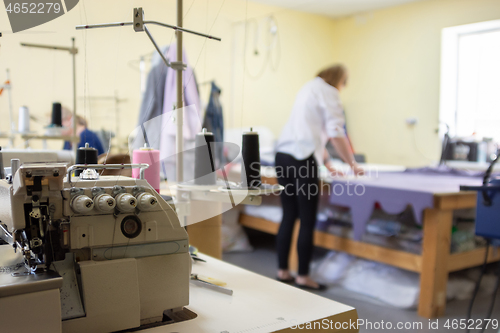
(333, 267)
(389, 284)
(459, 288)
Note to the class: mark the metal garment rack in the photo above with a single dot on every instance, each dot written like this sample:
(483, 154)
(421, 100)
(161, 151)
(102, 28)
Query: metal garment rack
(139, 25)
(73, 51)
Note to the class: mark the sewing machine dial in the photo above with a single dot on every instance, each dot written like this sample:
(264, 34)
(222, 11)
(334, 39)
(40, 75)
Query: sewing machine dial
(146, 201)
(126, 202)
(82, 204)
(105, 203)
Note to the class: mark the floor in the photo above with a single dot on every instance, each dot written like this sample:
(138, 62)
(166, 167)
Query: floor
(263, 261)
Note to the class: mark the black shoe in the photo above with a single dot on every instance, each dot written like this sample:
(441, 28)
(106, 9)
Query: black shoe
(321, 287)
(289, 280)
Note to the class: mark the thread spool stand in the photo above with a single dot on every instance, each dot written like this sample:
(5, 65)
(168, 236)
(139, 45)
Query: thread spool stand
(206, 192)
(73, 51)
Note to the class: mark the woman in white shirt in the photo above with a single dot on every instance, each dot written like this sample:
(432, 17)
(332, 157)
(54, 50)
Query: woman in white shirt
(317, 117)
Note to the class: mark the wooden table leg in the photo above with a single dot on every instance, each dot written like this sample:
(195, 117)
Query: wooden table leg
(206, 235)
(435, 252)
(293, 258)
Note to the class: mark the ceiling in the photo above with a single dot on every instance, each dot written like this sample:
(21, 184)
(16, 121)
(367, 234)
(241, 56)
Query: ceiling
(334, 8)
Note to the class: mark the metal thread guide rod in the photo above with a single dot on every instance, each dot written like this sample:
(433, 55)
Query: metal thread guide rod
(73, 51)
(141, 13)
(141, 166)
(179, 139)
(139, 25)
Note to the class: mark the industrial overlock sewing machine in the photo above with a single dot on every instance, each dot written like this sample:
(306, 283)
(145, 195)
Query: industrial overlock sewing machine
(112, 248)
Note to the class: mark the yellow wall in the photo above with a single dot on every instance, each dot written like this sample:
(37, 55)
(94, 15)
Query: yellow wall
(40, 77)
(394, 60)
(393, 56)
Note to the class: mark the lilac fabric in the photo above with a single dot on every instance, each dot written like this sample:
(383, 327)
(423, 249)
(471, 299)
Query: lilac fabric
(192, 123)
(191, 112)
(394, 191)
(446, 170)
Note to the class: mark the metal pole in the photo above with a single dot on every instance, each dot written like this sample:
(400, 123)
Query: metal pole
(142, 70)
(117, 117)
(51, 47)
(180, 119)
(165, 60)
(103, 25)
(11, 112)
(183, 29)
(121, 24)
(73, 53)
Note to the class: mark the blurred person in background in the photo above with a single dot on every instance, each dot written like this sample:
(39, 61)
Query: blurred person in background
(316, 118)
(86, 135)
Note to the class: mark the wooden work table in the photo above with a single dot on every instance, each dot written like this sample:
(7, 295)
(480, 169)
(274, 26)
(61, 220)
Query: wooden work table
(433, 264)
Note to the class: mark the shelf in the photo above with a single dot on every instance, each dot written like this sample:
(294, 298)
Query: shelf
(50, 137)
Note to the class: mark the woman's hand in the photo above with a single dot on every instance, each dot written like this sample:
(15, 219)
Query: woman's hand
(358, 171)
(333, 172)
(343, 148)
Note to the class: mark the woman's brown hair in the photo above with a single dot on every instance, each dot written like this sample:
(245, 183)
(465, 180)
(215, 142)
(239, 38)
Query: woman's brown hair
(333, 75)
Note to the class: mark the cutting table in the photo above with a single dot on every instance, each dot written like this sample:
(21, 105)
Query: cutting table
(433, 196)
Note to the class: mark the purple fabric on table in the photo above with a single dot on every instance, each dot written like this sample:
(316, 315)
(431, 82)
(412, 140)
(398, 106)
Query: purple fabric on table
(446, 170)
(394, 191)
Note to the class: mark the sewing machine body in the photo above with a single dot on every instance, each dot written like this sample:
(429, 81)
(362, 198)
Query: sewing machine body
(119, 247)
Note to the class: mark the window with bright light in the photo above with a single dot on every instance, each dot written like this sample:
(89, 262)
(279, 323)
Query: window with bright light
(470, 80)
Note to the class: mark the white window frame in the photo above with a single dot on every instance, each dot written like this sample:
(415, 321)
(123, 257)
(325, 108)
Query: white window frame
(449, 69)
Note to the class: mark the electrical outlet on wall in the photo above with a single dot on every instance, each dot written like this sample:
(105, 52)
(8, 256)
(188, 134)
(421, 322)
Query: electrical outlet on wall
(411, 121)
